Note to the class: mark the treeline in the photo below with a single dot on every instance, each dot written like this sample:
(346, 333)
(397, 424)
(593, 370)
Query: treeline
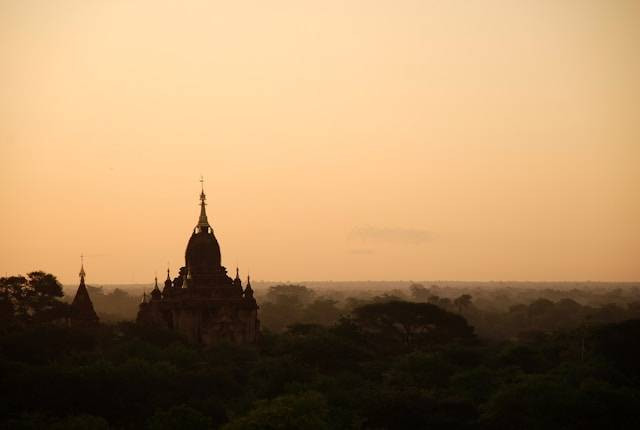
(394, 365)
(374, 362)
(500, 313)
(496, 311)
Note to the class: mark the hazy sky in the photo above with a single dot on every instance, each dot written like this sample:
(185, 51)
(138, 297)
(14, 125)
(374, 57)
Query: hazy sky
(339, 140)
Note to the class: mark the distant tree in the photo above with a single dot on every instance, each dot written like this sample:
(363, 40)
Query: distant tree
(619, 344)
(412, 324)
(614, 294)
(540, 307)
(95, 292)
(322, 311)
(386, 297)
(567, 313)
(434, 300)
(119, 294)
(634, 309)
(351, 303)
(568, 305)
(518, 309)
(419, 293)
(463, 302)
(609, 313)
(289, 294)
(444, 303)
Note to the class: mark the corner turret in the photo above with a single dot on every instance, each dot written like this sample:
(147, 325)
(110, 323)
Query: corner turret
(248, 292)
(155, 293)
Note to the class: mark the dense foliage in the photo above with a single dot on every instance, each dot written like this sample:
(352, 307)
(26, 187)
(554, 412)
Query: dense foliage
(384, 364)
(31, 299)
(313, 377)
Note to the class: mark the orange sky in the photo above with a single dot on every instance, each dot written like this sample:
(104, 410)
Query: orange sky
(339, 140)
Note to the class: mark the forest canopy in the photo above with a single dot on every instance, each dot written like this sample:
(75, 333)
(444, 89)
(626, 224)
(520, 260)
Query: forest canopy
(390, 360)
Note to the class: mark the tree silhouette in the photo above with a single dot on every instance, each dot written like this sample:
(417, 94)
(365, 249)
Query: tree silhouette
(463, 302)
(307, 410)
(31, 299)
(419, 293)
(411, 324)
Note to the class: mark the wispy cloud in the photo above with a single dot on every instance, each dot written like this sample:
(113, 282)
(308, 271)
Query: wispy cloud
(361, 251)
(411, 236)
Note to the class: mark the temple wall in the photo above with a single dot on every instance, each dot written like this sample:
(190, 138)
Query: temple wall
(209, 326)
(188, 323)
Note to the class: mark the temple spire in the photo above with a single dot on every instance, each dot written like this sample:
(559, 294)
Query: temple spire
(167, 283)
(82, 312)
(82, 274)
(237, 282)
(248, 291)
(155, 293)
(203, 222)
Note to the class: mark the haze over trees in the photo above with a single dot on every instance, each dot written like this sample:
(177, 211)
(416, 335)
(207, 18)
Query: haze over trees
(495, 310)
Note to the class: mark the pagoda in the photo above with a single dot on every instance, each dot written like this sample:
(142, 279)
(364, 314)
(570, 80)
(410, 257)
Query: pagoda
(82, 312)
(203, 302)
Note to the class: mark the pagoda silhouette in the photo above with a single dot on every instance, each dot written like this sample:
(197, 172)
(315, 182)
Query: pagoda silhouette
(82, 312)
(203, 302)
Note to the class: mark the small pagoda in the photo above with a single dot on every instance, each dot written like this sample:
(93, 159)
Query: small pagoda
(82, 312)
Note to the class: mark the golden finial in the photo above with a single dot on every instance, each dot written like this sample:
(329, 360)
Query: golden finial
(82, 274)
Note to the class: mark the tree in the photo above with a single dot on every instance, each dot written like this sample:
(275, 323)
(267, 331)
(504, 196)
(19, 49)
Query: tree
(619, 344)
(444, 302)
(414, 408)
(548, 401)
(32, 299)
(463, 302)
(411, 324)
(284, 305)
(540, 307)
(307, 410)
(81, 422)
(419, 293)
(290, 294)
(322, 311)
(179, 417)
(7, 311)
